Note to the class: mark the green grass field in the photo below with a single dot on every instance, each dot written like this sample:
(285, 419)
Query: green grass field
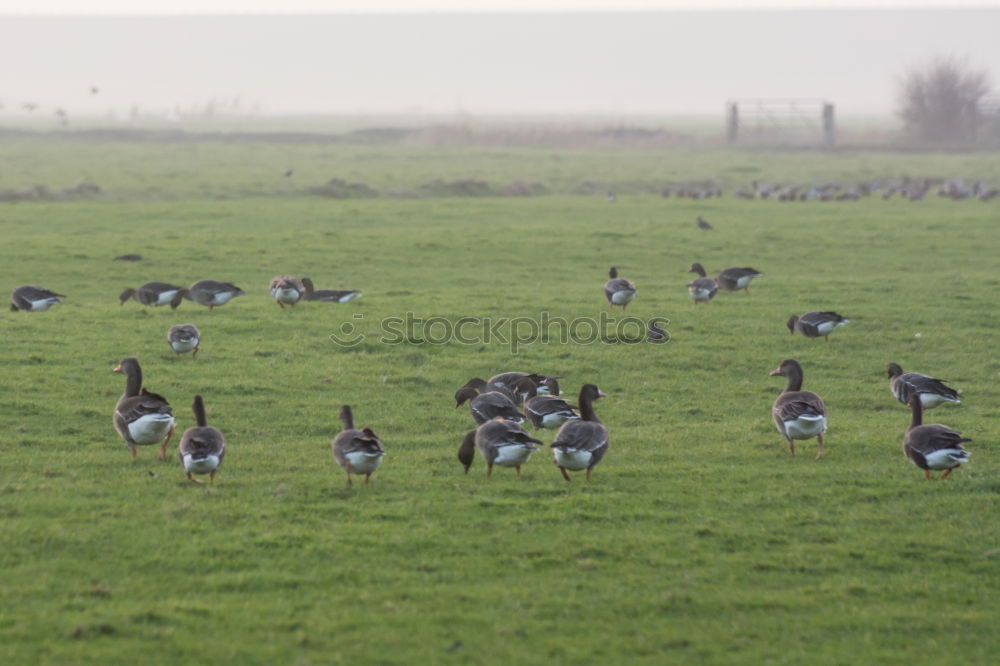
(699, 539)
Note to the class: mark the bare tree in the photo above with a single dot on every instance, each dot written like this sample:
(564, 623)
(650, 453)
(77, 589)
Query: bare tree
(939, 101)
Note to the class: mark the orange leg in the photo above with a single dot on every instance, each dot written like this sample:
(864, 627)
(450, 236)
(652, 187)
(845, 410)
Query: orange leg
(518, 469)
(194, 354)
(211, 476)
(589, 470)
(367, 478)
(791, 445)
(347, 468)
(565, 475)
(280, 304)
(133, 451)
(190, 476)
(948, 471)
(820, 454)
(927, 475)
(166, 442)
(211, 307)
(489, 469)
(746, 289)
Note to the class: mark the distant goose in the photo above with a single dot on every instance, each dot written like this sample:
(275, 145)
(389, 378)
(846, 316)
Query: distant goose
(701, 289)
(151, 293)
(654, 333)
(545, 411)
(932, 447)
(796, 413)
(142, 417)
(334, 295)
(487, 405)
(210, 293)
(184, 338)
(736, 278)
(704, 225)
(612, 197)
(357, 451)
(932, 392)
(504, 443)
(816, 324)
(128, 257)
(202, 447)
(581, 444)
(286, 290)
(31, 298)
(618, 291)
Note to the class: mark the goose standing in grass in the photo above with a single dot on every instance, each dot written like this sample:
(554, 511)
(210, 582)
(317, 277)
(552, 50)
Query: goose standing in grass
(467, 450)
(357, 451)
(618, 291)
(151, 293)
(796, 413)
(932, 392)
(210, 293)
(581, 444)
(816, 324)
(202, 447)
(142, 417)
(932, 447)
(545, 410)
(184, 338)
(333, 295)
(736, 278)
(702, 289)
(31, 298)
(504, 443)
(704, 225)
(286, 290)
(487, 405)
(507, 382)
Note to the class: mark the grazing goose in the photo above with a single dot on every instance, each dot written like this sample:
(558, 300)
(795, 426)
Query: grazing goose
(798, 414)
(581, 444)
(618, 291)
(209, 293)
(334, 295)
(128, 257)
(507, 382)
(467, 450)
(142, 417)
(358, 451)
(545, 410)
(702, 289)
(184, 338)
(31, 298)
(488, 405)
(655, 333)
(816, 324)
(934, 446)
(151, 293)
(202, 446)
(504, 443)
(704, 225)
(736, 278)
(932, 392)
(286, 290)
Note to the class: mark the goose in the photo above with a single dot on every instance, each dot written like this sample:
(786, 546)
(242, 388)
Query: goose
(467, 450)
(932, 392)
(128, 257)
(798, 414)
(335, 295)
(358, 451)
(736, 278)
(704, 225)
(142, 417)
(655, 333)
(545, 410)
(932, 447)
(488, 405)
(202, 447)
(702, 289)
(184, 338)
(504, 443)
(581, 444)
(286, 290)
(209, 293)
(507, 382)
(618, 291)
(151, 293)
(31, 298)
(816, 324)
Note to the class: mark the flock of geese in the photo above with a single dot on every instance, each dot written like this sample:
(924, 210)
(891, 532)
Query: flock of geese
(142, 417)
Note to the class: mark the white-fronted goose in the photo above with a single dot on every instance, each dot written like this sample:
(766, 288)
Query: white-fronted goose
(507, 382)
(333, 295)
(702, 289)
(656, 333)
(31, 298)
(184, 338)
(142, 417)
(932, 392)
(816, 324)
(504, 443)
(933, 446)
(545, 410)
(151, 293)
(202, 446)
(704, 225)
(467, 450)
(210, 293)
(798, 414)
(736, 278)
(357, 451)
(488, 405)
(581, 444)
(286, 290)
(618, 291)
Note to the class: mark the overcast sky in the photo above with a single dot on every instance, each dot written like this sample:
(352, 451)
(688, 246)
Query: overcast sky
(586, 63)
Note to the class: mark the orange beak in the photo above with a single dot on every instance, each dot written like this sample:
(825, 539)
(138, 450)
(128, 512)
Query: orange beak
(118, 368)
(775, 372)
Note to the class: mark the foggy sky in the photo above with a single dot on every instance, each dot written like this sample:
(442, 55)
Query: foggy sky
(616, 63)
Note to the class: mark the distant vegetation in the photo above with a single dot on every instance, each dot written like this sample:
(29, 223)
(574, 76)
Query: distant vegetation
(941, 101)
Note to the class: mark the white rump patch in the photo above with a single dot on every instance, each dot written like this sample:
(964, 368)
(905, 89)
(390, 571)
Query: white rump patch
(806, 426)
(572, 459)
(151, 428)
(946, 458)
(202, 465)
(363, 462)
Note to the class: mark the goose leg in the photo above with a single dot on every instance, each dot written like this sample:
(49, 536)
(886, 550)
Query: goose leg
(367, 478)
(948, 471)
(820, 454)
(565, 475)
(927, 475)
(489, 469)
(589, 470)
(191, 478)
(194, 354)
(347, 468)
(166, 443)
(517, 468)
(791, 446)
(746, 289)
(133, 452)
(211, 476)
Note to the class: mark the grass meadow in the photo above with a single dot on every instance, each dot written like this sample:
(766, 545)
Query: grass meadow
(698, 540)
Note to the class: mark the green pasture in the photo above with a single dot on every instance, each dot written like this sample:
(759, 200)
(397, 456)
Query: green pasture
(699, 539)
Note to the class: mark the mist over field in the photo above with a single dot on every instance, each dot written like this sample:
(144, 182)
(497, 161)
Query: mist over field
(614, 64)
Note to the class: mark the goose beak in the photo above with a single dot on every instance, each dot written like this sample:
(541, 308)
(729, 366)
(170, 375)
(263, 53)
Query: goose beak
(118, 368)
(601, 394)
(774, 373)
